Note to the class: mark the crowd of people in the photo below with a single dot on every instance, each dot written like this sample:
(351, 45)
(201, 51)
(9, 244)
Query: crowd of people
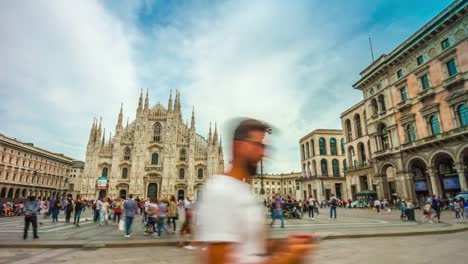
(431, 207)
(157, 216)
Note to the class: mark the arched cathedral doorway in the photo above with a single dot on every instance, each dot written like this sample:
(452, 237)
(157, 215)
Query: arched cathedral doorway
(152, 190)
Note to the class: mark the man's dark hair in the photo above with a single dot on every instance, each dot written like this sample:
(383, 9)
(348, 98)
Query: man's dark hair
(130, 196)
(248, 125)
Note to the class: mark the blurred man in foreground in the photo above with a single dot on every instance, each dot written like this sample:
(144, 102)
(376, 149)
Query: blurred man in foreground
(232, 223)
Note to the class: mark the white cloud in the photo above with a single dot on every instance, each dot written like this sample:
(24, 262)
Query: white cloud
(289, 63)
(62, 64)
(258, 60)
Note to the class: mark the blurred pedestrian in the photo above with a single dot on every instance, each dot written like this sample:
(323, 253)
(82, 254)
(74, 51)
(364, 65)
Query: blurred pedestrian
(131, 209)
(333, 202)
(231, 220)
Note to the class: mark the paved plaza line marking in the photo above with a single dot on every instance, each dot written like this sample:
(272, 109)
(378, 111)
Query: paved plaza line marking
(350, 224)
(43, 229)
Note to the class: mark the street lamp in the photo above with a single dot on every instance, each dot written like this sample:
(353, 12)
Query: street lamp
(262, 190)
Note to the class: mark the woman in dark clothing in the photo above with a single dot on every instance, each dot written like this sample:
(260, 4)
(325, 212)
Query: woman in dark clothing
(79, 206)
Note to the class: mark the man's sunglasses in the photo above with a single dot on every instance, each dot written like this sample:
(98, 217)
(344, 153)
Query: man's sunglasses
(260, 144)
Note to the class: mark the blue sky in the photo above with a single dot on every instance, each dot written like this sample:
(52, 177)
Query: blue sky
(291, 63)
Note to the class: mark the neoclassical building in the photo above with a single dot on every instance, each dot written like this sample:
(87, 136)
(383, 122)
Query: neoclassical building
(76, 174)
(283, 184)
(360, 170)
(408, 137)
(28, 170)
(323, 160)
(156, 155)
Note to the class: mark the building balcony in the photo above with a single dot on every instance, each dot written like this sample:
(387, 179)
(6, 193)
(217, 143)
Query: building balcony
(455, 80)
(404, 105)
(383, 153)
(436, 138)
(426, 94)
(152, 167)
(363, 165)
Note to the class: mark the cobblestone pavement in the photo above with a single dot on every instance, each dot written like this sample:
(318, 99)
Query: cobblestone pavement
(350, 221)
(449, 248)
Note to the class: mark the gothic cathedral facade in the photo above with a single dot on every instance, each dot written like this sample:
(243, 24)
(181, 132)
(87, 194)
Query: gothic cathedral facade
(157, 155)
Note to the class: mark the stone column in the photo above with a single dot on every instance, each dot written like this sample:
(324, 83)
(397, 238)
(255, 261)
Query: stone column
(434, 182)
(461, 176)
(410, 187)
(403, 190)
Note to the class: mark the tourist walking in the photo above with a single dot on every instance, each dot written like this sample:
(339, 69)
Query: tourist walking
(457, 209)
(117, 207)
(231, 219)
(172, 213)
(436, 205)
(162, 212)
(465, 208)
(151, 212)
(68, 209)
(427, 212)
(104, 214)
(31, 209)
(97, 209)
(277, 211)
(333, 202)
(130, 208)
(79, 207)
(377, 205)
(311, 207)
(56, 210)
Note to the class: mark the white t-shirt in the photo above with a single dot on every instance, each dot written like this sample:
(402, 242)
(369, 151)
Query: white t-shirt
(229, 212)
(376, 203)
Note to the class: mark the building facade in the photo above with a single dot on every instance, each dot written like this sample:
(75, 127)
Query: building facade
(359, 170)
(415, 132)
(282, 184)
(323, 159)
(28, 170)
(76, 174)
(156, 155)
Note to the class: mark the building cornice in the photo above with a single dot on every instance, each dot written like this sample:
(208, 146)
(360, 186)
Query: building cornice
(453, 12)
(35, 150)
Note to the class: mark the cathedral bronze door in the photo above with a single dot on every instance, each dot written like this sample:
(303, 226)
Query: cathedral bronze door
(152, 190)
(123, 194)
(180, 195)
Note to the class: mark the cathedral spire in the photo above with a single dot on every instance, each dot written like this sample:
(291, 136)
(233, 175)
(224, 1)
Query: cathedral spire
(192, 124)
(220, 145)
(177, 102)
(119, 121)
(93, 130)
(140, 102)
(169, 104)
(127, 121)
(215, 136)
(146, 101)
(99, 130)
(210, 137)
(104, 137)
(110, 137)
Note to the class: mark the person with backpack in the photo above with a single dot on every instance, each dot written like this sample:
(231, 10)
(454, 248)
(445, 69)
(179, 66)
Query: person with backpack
(68, 209)
(333, 202)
